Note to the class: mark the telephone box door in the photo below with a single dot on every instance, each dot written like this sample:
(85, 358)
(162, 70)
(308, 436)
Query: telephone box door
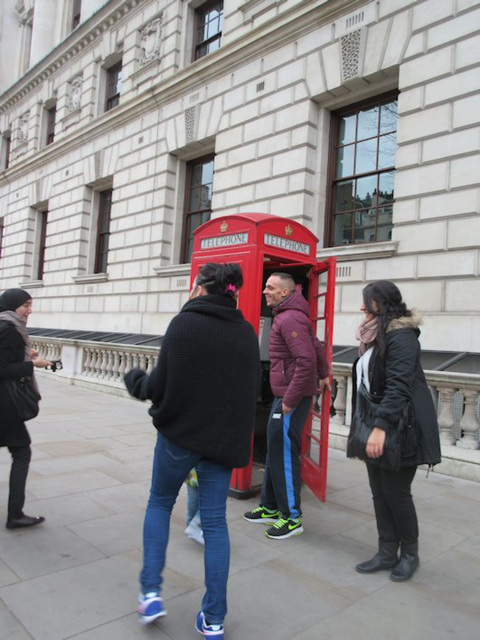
(315, 435)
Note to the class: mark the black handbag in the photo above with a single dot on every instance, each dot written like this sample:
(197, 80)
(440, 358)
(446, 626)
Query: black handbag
(24, 397)
(400, 441)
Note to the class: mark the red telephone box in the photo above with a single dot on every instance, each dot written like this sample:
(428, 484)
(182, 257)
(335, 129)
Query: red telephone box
(262, 244)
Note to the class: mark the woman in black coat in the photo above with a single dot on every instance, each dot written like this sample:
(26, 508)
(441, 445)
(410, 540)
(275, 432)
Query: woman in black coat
(203, 391)
(389, 367)
(16, 361)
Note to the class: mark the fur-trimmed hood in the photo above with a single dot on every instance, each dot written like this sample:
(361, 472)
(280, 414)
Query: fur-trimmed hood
(406, 322)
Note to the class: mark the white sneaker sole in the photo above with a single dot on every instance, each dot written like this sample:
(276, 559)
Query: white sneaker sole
(295, 532)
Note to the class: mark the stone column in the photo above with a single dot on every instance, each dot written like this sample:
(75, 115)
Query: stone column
(340, 400)
(43, 29)
(469, 423)
(445, 419)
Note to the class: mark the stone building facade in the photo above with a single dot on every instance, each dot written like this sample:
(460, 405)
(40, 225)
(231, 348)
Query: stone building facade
(125, 124)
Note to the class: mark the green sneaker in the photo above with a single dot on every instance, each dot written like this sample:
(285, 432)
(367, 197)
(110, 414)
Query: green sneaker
(285, 528)
(262, 515)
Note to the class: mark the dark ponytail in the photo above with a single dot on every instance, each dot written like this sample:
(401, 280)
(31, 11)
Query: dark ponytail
(221, 278)
(390, 306)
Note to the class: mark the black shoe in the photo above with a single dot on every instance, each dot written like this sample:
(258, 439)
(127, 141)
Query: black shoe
(385, 558)
(24, 521)
(409, 563)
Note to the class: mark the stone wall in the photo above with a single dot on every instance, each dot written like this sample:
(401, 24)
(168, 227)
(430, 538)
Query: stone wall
(262, 103)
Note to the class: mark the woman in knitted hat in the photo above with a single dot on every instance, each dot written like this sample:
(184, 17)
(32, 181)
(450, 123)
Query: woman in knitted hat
(17, 360)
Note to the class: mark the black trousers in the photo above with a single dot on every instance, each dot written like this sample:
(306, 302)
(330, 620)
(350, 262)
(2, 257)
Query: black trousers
(18, 479)
(282, 480)
(392, 499)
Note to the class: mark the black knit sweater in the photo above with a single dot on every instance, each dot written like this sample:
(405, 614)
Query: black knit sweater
(205, 384)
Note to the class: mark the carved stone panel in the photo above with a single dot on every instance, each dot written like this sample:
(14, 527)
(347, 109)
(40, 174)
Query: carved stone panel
(150, 41)
(23, 127)
(74, 94)
(190, 124)
(351, 55)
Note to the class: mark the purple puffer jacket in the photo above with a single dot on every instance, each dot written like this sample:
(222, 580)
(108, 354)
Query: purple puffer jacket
(297, 360)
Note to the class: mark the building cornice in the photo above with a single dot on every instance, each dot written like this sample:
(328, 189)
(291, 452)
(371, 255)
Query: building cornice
(294, 23)
(77, 40)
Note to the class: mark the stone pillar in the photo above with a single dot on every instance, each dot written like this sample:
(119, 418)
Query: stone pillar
(43, 29)
(445, 419)
(469, 423)
(340, 400)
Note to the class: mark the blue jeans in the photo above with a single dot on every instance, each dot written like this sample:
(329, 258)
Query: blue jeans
(171, 465)
(193, 511)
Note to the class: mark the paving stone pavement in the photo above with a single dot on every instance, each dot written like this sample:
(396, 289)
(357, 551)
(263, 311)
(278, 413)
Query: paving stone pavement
(76, 576)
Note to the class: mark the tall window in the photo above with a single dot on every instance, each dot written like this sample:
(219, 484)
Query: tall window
(103, 230)
(50, 121)
(364, 140)
(42, 241)
(2, 229)
(114, 85)
(208, 28)
(76, 13)
(6, 147)
(198, 200)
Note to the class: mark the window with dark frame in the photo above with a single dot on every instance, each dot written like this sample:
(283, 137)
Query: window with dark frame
(198, 200)
(208, 28)
(114, 85)
(76, 13)
(51, 115)
(362, 169)
(2, 229)
(42, 241)
(103, 230)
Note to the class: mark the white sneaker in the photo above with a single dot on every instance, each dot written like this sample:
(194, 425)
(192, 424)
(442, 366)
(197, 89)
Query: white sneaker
(194, 532)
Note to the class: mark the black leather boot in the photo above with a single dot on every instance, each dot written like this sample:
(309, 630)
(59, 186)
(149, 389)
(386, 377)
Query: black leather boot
(409, 563)
(385, 558)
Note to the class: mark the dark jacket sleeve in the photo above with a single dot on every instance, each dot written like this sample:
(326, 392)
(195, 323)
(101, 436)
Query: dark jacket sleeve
(11, 354)
(136, 382)
(401, 355)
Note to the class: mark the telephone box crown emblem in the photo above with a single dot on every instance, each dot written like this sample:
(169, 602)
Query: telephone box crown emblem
(288, 230)
(224, 227)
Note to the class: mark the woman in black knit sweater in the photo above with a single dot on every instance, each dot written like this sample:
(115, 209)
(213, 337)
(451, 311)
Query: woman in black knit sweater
(203, 392)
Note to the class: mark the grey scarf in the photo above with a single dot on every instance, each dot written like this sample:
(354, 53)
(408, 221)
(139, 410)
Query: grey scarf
(21, 327)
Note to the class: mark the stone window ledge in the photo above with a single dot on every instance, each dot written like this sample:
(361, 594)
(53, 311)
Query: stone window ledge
(359, 251)
(173, 270)
(31, 284)
(90, 277)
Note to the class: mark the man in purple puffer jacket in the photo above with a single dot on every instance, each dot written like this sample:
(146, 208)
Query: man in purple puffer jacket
(298, 371)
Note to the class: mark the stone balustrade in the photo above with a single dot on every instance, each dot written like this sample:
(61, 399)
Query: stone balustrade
(95, 364)
(456, 395)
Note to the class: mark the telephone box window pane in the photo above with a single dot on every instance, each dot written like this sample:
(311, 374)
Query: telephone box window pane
(345, 195)
(367, 123)
(345, 157)
(366, 160)
(346, 133)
